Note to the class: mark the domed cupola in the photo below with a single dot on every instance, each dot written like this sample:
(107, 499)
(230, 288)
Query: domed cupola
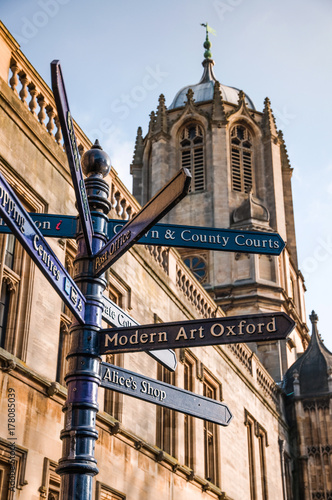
(204, 89)
(311, 374)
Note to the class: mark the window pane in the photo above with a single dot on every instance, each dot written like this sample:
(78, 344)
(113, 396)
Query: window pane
(241, 160)
(4, 306)
(192, 155)
(10, 248)
(210, 439)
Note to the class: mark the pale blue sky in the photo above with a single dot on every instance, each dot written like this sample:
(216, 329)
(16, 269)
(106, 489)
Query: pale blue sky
(118, 56)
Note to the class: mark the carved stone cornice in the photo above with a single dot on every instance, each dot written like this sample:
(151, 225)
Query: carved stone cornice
(11, 279)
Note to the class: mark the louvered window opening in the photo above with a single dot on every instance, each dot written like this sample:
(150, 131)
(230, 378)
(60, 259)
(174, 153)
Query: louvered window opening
(192, 155)
(241, 157)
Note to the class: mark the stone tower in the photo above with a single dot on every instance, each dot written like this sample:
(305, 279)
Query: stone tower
(308, 390)
(241, 179)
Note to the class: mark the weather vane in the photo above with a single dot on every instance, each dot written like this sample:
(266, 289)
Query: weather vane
(209, 29)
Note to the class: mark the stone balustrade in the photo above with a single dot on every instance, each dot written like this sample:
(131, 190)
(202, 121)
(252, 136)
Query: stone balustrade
(161, 256)
(31, 89)
(266, 382)
(196, 295)
(255, 370)
(124, 205)
(244, 355)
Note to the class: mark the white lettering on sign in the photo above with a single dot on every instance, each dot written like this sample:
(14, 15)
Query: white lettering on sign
(46, 257)
(242, 240)
(73, 141)
(72, 294)
(116, 316)
(118, 243)
(147, 388)
(187, 334)
(113, 377)
(123, 320)
(242, 327)
(10, 207)
(45, 225)
(187, 235)
(182, 334)
(134, 339)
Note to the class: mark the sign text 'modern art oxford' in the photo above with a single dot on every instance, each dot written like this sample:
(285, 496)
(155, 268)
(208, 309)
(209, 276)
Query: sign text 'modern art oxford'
(215, 331)
(25, 230)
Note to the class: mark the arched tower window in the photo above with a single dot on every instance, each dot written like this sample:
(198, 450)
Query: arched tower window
(192, 155)
(241, 159)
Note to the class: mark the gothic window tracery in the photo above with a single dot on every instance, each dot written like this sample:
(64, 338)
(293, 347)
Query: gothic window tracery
(192, 155)
(241, 159)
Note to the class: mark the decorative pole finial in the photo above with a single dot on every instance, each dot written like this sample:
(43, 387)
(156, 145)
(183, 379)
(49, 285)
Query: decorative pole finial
(207, 44)
(96, 162)
(313, 317)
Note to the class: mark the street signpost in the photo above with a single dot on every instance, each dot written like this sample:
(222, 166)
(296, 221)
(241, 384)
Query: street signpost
(25, 230)
(73, 155)
(115, 316)
(162, 394)
(197, 333)
(154, 210)
(78, 467)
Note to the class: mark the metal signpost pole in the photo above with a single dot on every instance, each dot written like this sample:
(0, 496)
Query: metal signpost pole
(78, 464)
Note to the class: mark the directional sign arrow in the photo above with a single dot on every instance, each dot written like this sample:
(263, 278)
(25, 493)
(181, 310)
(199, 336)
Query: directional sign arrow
(73, 155)
(170, 235)
(207, 238)
(197, 333)
(153, 211)
(25, 230)
(162, 394)
(115, 316)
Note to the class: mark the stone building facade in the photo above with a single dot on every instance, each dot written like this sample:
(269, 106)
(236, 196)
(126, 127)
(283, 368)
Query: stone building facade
(144, 451)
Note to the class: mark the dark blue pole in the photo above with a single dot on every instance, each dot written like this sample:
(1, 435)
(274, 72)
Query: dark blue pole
(78, 464)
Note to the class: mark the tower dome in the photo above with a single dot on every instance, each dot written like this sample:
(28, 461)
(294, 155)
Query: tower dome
(203, 90)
